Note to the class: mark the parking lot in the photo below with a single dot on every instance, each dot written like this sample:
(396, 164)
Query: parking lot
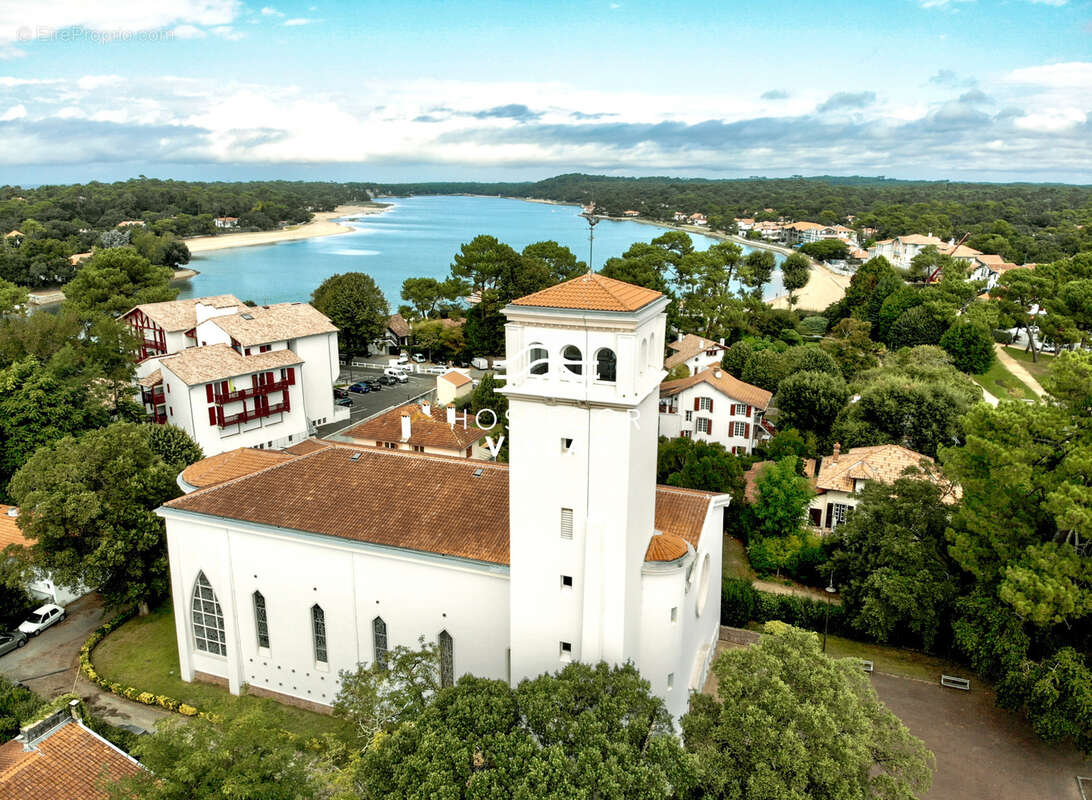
(368, 405)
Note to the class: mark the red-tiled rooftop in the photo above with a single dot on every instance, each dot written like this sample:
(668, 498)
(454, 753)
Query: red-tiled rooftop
(592, 292)
(435, 504)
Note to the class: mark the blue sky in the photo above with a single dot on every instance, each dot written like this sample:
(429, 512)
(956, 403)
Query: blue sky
(408, 90)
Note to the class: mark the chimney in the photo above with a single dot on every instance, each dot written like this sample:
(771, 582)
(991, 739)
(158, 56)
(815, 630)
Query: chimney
(722, 341)
(426, 407)
(450, 414)
(405, 426)
(837, 450)
(678, 336)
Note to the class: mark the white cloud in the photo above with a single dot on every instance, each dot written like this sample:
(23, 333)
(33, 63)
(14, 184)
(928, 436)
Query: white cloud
(15, 112)
(297, 21)
(1065, 75)
(228, 32)
(268, 11)
(1055, 3)
(23, 21)
(941, 3)
(188, 32)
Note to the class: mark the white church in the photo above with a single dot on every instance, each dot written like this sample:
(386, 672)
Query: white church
(295, 570)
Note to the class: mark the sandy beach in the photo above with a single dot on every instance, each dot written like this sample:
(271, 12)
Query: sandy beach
(824, 287)
(322, 225)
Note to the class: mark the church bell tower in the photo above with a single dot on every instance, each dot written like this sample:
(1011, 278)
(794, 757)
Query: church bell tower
(584, 364)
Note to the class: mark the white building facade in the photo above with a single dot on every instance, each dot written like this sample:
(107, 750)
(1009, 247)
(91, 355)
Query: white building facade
(570, 553)
(713, 406)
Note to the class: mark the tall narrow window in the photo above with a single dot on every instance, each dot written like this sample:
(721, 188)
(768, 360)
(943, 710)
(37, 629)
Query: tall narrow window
(208, 619)
(540, 360)
(606, 365)
(318, 632)
(379, 641)
(261, 622)
(566, 523)
(447, 659)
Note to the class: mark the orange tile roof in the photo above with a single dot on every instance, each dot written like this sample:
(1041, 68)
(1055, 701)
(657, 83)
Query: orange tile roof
(230, 465)
(726, 384)
(884, 463)
(426, 430)
(10, 532)
(688, 347)
(665, 547)
(305, 447)
(456, 378)
(917, 238)
(67, 764)
(435, 504)
(592, 292)
(275, 323)
(181, 315)
(216, 362)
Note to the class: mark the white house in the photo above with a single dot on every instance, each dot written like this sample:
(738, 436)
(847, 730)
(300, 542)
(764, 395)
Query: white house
(698, 219)
(989, 268)
(744, 224)
(842, 475)
(41, 585)
(451, 386)
(695, 351)
(713, 406)
(226, 222)
(250, 354)
(900, 251)
(307, 567)
(395, 336)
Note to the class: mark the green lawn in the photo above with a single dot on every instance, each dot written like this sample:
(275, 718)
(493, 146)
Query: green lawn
(144, 653)
(1003, 384)
(1038, 369)
(898, 661)
(734, 561)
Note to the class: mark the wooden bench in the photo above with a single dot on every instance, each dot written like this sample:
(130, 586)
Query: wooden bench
(952, 682)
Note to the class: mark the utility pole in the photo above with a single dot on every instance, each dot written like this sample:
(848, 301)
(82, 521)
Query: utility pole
(593, 220)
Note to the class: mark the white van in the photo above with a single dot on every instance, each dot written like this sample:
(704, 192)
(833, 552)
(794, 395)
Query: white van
(398, 373)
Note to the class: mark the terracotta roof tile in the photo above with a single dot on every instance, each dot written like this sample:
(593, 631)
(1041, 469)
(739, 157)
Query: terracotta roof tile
(68, 764)
(214, 362)
(181, 315)
(687, 348)
(305, 447)
(275, 323)
(917, 238)
(230, 465)
(10, 532)
(398, 325)
(665, 547)
(728, 385)
(592, 292)
(426, 430)
(456, 378)
(884, 463)
(151, 379)
(436, 504)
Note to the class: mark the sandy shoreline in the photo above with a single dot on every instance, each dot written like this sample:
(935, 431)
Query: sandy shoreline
(322, 225)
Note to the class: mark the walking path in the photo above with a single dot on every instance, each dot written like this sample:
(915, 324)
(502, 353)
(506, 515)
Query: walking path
(1018, 369)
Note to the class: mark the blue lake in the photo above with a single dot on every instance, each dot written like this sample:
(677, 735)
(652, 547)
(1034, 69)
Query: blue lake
(417, 237)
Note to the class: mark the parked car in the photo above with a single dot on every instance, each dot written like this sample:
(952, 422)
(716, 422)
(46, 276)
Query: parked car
(343, 401)
(419, 358)
(339, 393)
(388, 380)
(42, 618)
(360, 388)
(374, 384)
(11, 641)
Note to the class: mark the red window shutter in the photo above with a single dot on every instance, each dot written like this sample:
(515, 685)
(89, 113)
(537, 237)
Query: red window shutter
(246, 352)
(208, 392)
(223, 387)
(747, 430)
(697, 404)
(748, 411)
(709, 426)
(285, 399)
(212, 415)
(291, 376)
(710, 405)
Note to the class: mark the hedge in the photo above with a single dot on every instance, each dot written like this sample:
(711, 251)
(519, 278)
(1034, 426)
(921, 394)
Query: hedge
(130, 692)
(740, 603)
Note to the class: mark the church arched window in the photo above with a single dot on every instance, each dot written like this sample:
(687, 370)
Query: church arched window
(318, 632)
(573, 359)
(447, 659)
(208, 619)
(379, 642)
(261, 621)
(540, 359)
(606, 365)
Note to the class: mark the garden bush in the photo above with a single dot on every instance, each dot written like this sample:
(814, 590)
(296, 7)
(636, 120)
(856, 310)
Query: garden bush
(741, 602)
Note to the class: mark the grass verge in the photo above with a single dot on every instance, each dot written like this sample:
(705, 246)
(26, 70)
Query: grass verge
(734, 561)
(1038, 369)
(1003, 384)
(144, 653)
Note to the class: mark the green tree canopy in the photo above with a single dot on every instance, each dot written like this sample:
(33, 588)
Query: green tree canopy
(694, 464)
(808, 401)
(113, 281)
(788, 722)
(356, 305)
(782, 498)
(970, 346)
(795, 274)
(88, 506)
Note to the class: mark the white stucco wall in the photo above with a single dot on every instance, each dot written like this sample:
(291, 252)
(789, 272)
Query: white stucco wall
(722, 416)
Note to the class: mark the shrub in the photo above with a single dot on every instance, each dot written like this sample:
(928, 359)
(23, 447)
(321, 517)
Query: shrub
(741, 603)
(1002, 336)
(187, 710)
(814, 326)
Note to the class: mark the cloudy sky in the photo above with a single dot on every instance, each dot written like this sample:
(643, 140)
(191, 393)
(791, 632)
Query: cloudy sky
(515, 90)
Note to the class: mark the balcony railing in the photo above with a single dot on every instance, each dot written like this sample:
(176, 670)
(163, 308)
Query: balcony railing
(252, 391)
(254, 413)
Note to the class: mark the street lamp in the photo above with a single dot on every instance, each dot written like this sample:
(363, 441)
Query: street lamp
(826, 620)
(592, 222)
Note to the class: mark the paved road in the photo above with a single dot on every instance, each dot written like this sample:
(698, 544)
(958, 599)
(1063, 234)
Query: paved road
(48, 664)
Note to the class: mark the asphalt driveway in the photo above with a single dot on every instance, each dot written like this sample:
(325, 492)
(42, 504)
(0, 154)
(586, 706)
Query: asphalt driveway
(369, 405)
